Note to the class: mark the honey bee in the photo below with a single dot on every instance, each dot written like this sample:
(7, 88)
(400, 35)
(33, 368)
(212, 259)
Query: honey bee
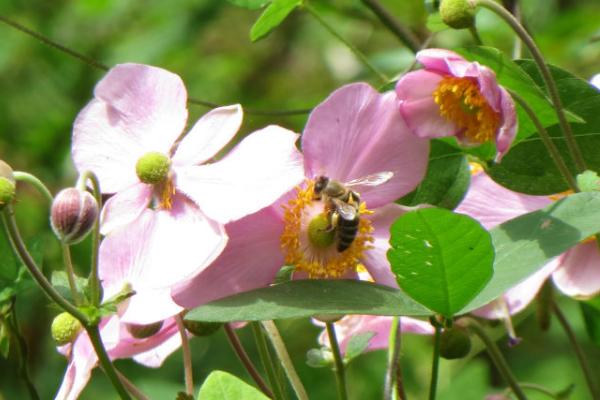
(342, 204)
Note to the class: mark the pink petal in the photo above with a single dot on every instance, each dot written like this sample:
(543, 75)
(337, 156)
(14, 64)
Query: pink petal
(578, 274)
(209, 135)
(81, 363)
(152, 350)
(124, 207)
(251, 260)
(356, 132)
(154, 358)
(437, 59)
(508, 129)
(492, 204)
(137, 109)
(261, 168)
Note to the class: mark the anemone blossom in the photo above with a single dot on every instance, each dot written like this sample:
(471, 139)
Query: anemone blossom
(355, 132)
(455, 97)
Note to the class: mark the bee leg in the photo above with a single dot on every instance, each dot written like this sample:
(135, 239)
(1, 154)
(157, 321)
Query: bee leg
(333, 222)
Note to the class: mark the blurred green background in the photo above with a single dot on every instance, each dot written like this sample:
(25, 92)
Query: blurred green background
(207, 43)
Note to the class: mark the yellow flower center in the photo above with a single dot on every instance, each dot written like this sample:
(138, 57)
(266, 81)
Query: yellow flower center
(166, 191)
(320, 259)
(462, 103)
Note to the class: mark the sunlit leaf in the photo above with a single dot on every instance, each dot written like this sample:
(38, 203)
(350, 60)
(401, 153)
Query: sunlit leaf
(221, 385)
(273, 15)
(250, 4)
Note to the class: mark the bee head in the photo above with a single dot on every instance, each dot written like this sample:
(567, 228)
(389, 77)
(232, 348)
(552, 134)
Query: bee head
(320, 183)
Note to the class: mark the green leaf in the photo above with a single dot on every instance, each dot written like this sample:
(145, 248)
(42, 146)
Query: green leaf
(526, 243)
(591, 316)
(221, 385)
(527, 167)
(357, 345)
(435, 24)
(441, 259)
(446, 181)
(249, 4)
(305, 298)
(274, 15)
(588, 181)
(319, 358)
(4, 339)
(60, 281)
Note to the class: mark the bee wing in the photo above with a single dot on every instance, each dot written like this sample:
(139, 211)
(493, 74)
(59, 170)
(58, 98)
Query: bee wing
(371, 180)
(345, 210)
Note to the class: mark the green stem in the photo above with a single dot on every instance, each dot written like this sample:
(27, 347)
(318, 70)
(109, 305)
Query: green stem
(350, 46)
(546, 75)
(589, 377)
(266, 360)
(537, 388)
(187, 356)
(107, 366)
(435, 365)
(340, 373)
(66, 250)
(393, 376)
(547, 140)
(22, 353)
(131, 388)
(246, 361)
(475, 35)
(394, 26)
(35, 182)
(497, 359)
(93, 279)
(284, 357)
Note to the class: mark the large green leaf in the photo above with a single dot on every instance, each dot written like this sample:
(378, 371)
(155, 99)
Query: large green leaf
(441, 259)
(221, 385)
(305, 298)
(528, 168)
(250, 4)
(525, 244)
(273, 15)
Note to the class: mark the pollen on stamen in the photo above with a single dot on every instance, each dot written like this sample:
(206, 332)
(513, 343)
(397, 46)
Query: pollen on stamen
(461, 102)
(316, 261)
(166, 193)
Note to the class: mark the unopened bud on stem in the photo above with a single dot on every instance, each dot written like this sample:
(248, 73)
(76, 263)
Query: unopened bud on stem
(458, 14)
(7, 184)
(73, 214)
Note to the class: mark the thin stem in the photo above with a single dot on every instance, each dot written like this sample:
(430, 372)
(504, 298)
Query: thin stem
(66, 250)
(35, 182)
(284, 357)
(546, 75)
(363, 58)
(547, 140)
(393, 377)
(246, 361)
(93, 278)
(22, 353)
(187, 356)
(400, 31)
(107, 366)
(19, 248)
(435, 365)
(589, 377)
(266, 360)
(475, 35)
(537, 388)
(131, 388)
(498, 359)
(340, 373)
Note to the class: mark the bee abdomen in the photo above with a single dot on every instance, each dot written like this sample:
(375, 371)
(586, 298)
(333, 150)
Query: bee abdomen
(347, 231)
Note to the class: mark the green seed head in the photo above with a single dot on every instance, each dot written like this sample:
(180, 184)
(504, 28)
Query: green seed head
(7, 184)
(458, 14)
(199, 328)
(320, 233)
(65, 328)
(144, 331)
(455, 343)
(153, 168)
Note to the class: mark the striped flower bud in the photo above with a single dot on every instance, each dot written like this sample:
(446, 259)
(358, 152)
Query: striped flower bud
(73, 214)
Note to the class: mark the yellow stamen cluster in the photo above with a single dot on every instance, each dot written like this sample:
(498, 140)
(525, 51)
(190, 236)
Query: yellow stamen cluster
(462, 103)
(166, 191)
(316, 261)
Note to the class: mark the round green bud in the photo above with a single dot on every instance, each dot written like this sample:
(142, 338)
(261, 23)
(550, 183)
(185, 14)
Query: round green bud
(7, 184)
(320, 233)
(455, 343)
(458, 14)
(139, 331)
(199, 328)
(65, 328)
(73, 214)
(153, 168)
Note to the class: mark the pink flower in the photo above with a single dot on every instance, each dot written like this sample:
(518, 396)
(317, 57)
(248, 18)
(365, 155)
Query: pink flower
(354, 133)
(119, 343)
(164, 221)
(453, 96)
(576, 272)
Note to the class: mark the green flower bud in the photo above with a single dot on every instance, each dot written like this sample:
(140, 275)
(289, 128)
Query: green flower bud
(153, 168)
(458, 14)
(139, 331)
(319, 233)
(73, 214)
(65, 328)
(7, 184)
(199, 328)
(455, 343)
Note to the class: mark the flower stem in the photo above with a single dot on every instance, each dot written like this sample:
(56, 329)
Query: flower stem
(340, 373)
(400, 31)
(284, 357)
(267, 361)
(187, 356)
(589, 377)
(131, 388)
(35, 182)
(435, 366)
(107, 366)
(475, 35)
(350, 46)
(537, 388)
(243, 356)
(393, 376)
(21, 351)
(547, 140)
(497, 358)
(546, 76)
(66, 250)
